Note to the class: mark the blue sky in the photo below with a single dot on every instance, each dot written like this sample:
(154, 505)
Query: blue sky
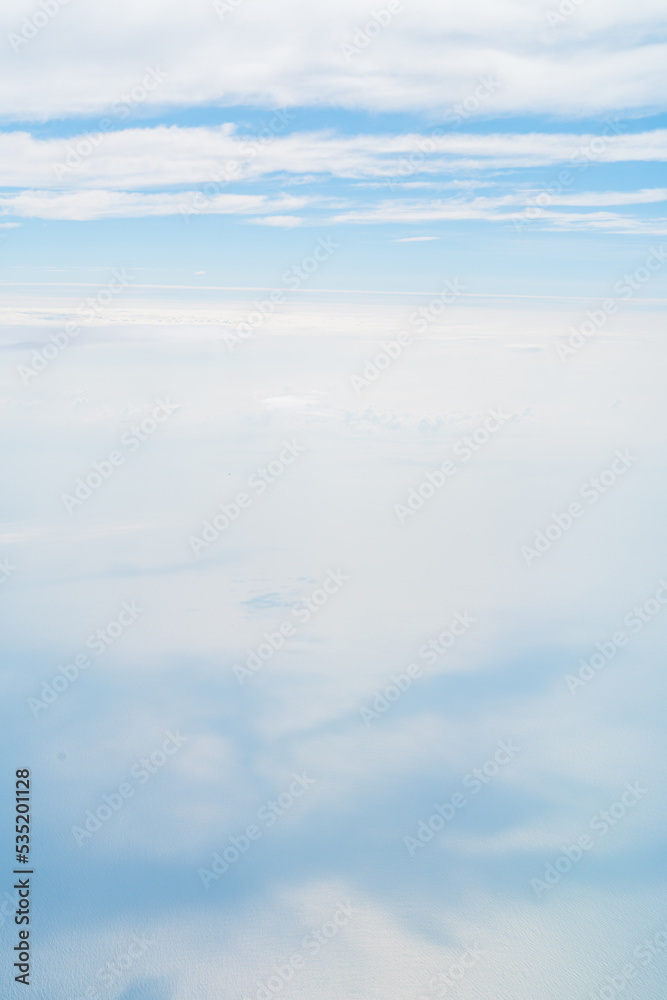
(491, 101)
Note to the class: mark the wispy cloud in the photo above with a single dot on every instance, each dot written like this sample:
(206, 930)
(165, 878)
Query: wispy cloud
(166, 157)
(87, 205)
(138, 173)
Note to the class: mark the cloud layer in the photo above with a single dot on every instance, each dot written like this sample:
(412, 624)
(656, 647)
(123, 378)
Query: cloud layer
(161, 171)
(424, 57)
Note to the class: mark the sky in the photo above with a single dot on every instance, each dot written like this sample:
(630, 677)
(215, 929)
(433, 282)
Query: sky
(205, 146)
(332, 577)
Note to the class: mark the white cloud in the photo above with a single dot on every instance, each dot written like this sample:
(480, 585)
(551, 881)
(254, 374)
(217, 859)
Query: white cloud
(104, 184)
(168, 156)
(590, 198)
(287, 221)
(430, 55)
(507, 208)
(86, 205)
